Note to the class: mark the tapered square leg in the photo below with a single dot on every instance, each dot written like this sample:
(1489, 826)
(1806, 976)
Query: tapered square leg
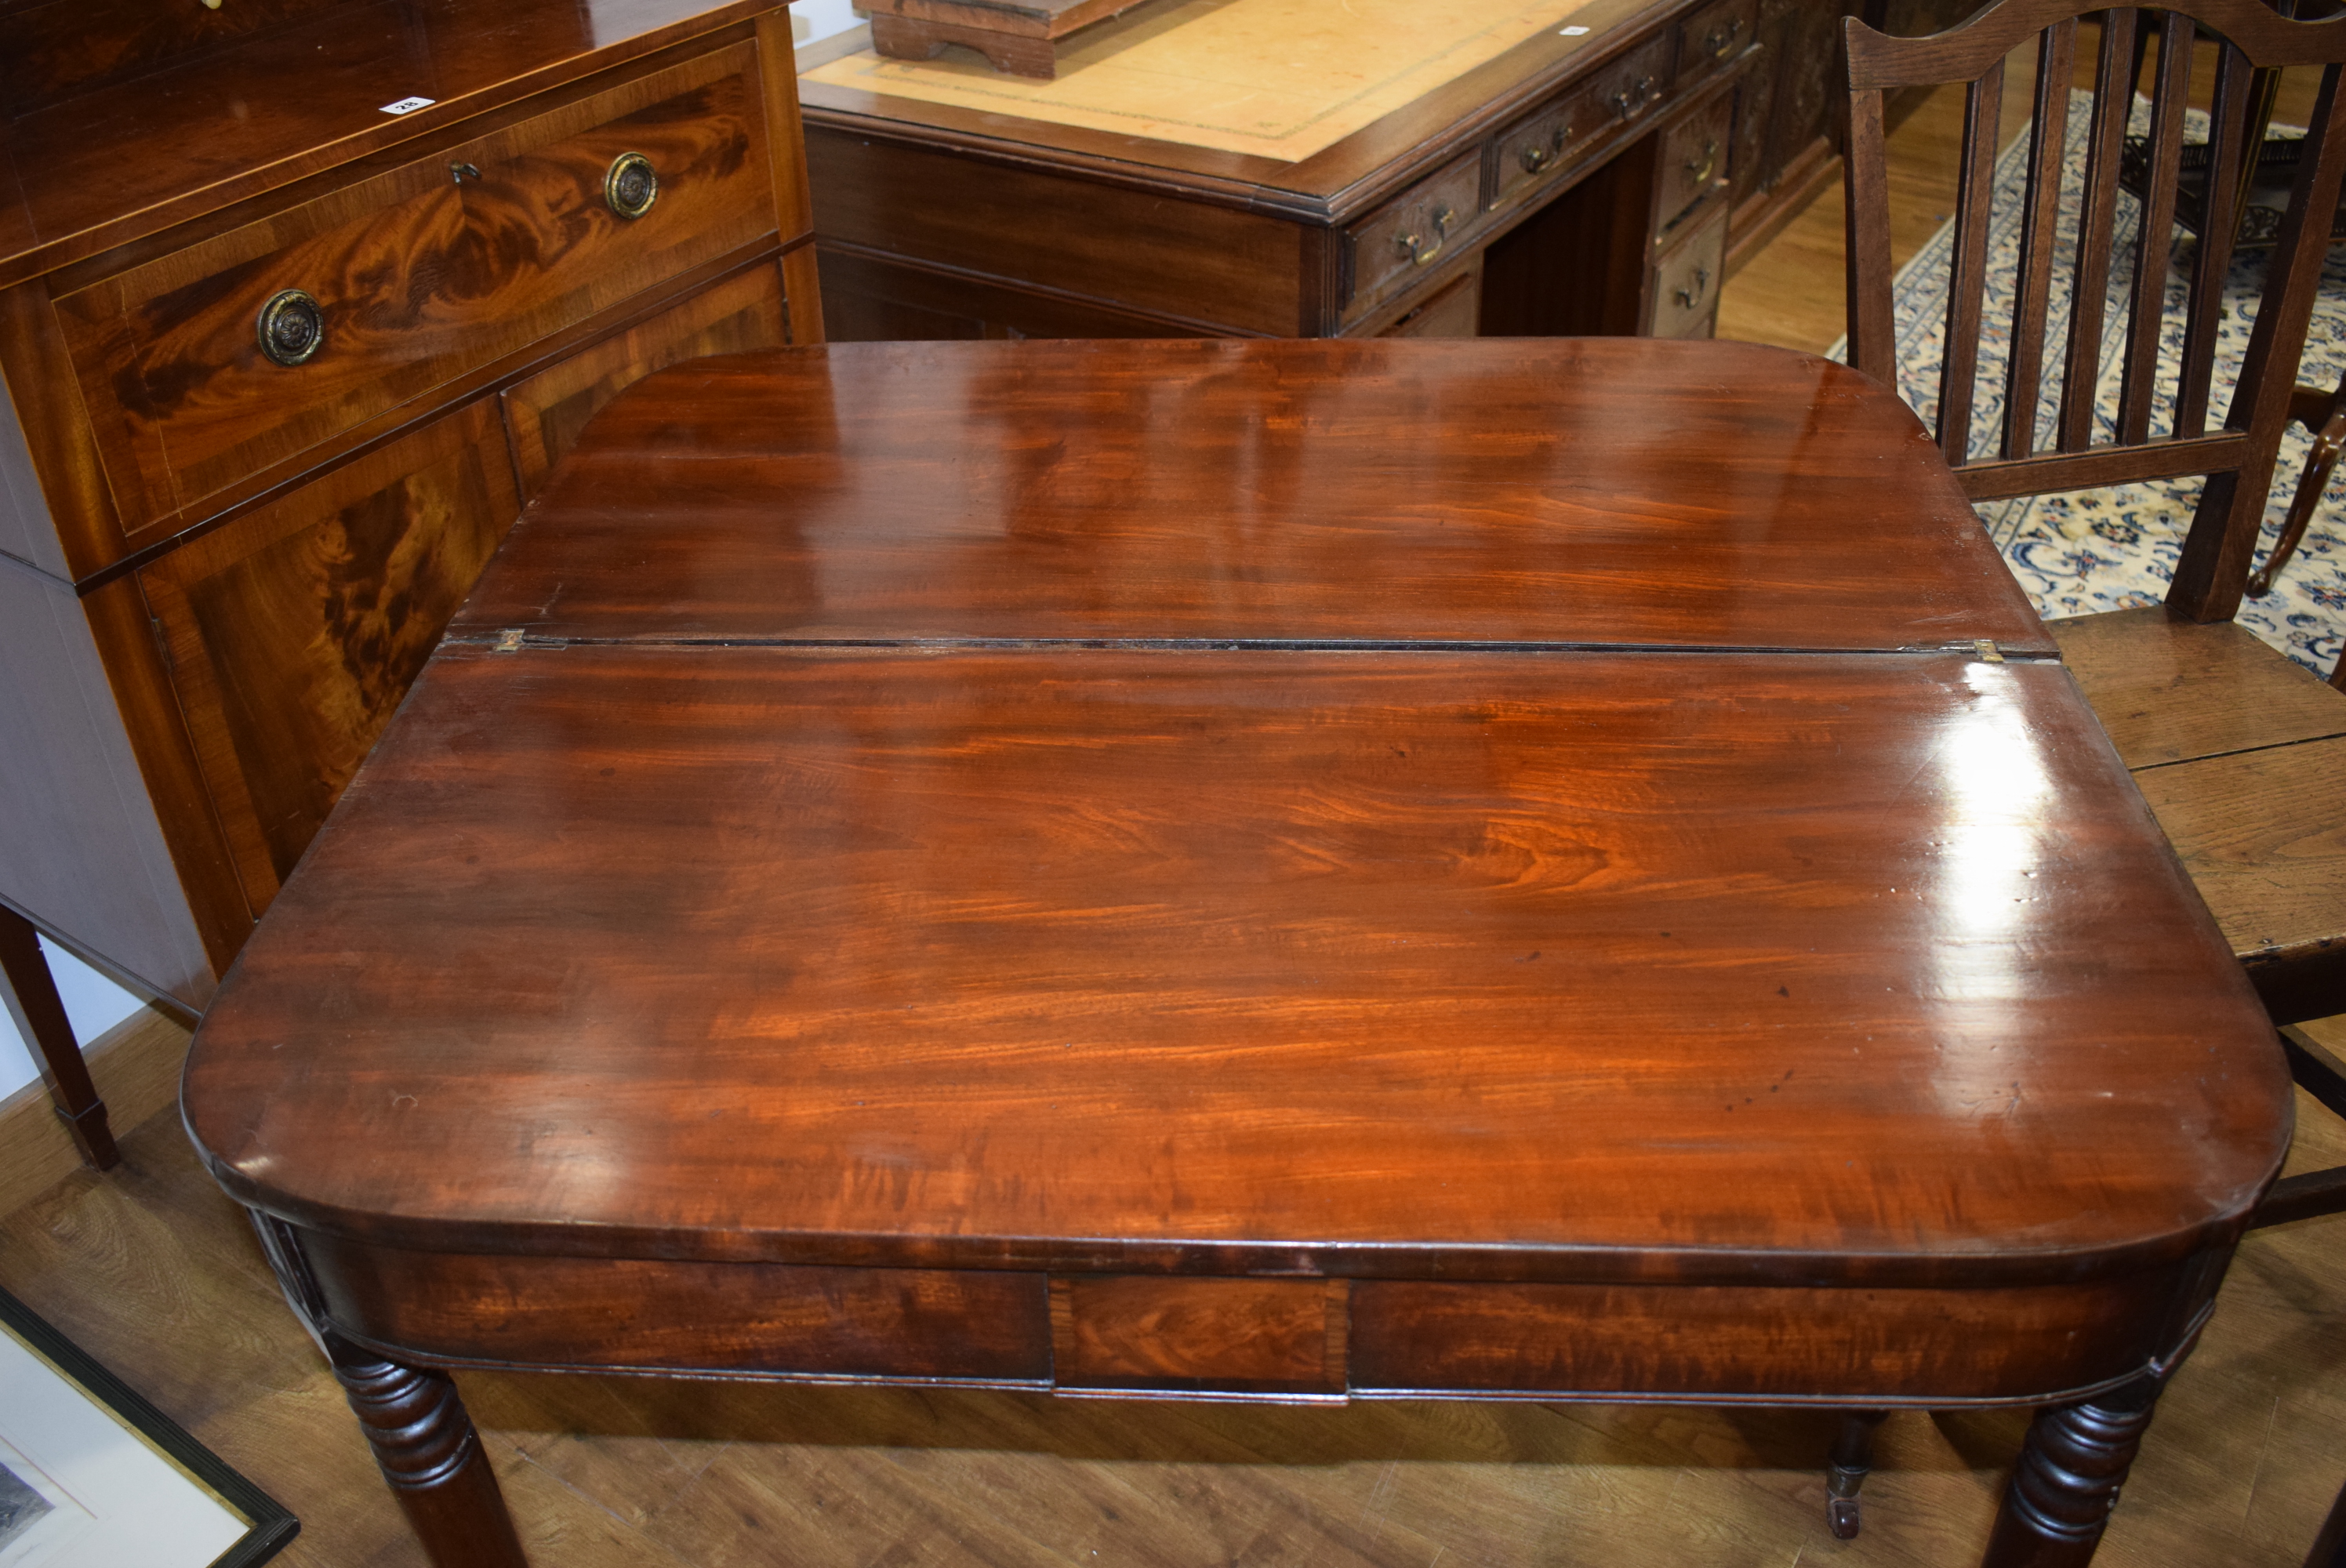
(31, 993)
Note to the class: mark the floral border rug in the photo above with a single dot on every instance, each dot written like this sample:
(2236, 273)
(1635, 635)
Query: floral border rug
(2116, 548)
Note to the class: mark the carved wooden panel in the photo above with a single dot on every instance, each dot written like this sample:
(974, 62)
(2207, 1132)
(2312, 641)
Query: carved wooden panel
(421, 274)
(294, 631)
(545, 412)
(1808, 61)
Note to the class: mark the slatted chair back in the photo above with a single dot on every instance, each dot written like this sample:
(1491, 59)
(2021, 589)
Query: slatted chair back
(2237, 456)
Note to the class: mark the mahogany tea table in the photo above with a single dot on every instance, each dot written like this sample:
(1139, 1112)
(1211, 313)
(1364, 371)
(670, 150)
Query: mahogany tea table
(1534, 869)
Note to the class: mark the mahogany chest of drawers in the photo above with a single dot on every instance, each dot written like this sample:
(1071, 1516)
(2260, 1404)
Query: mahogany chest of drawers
(298, 302)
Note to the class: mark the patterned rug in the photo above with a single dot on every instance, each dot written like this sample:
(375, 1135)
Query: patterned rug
(2116, 548)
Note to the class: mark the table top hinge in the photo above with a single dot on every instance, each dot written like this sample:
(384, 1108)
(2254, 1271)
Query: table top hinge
(509, 641)
(1985, 647)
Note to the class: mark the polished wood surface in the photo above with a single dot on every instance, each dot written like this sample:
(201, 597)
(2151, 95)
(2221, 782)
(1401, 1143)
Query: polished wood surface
(1096, 1035)
(545, 413)
(1174, 1013)
(1061, 490)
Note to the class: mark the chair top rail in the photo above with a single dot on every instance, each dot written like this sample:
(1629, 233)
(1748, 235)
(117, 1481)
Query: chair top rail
(1877, 61)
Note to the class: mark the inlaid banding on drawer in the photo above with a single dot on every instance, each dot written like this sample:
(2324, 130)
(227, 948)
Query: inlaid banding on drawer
(773, 1319)
(1237, 1336)
(420, 275)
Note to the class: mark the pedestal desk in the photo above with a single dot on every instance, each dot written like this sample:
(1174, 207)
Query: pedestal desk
(1293, 168)
(1303, 870)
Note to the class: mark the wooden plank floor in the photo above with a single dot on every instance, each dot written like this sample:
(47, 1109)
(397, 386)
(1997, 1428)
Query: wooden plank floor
(155, 1272)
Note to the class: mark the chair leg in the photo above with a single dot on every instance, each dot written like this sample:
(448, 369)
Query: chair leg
(1852, 1460)
(30, 992)
(2328, 441)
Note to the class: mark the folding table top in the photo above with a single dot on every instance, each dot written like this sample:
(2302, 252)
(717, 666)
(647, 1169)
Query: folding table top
(1537, 811)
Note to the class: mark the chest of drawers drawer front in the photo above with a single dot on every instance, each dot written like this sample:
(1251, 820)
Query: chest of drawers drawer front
(1410, 233)
(1590, 114)
(418, 276)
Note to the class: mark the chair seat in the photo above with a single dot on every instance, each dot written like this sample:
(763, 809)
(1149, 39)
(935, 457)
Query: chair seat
(2241, 756)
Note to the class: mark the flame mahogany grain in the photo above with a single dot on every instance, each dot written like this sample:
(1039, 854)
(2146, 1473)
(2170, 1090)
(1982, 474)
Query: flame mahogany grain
(1573, 491)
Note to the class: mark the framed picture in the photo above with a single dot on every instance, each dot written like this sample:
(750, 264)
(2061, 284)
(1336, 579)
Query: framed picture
(91, 1475)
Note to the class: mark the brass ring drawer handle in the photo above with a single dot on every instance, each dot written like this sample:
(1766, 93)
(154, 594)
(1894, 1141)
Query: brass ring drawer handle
(1413, 245)
(1701, 170)
(291, 327)
(631, 186)
(1722, 43)
(1688, 297)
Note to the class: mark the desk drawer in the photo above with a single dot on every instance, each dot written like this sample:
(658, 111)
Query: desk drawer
(1587, 116)
(1687, 281)
(414, 278)
(1416, 229)
(1715, 34)
(1694, 156)
(1454, 310)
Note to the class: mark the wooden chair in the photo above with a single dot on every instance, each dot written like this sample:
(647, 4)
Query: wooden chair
(2238, 750)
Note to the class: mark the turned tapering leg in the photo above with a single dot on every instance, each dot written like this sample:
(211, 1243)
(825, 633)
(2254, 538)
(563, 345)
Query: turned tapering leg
(30, 994)
(431, 1456)
(1852, 1460)
(2061, 1492)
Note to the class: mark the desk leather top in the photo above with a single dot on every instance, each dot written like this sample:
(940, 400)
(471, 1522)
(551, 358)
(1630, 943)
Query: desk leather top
(1275, 78)
(798, 921)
